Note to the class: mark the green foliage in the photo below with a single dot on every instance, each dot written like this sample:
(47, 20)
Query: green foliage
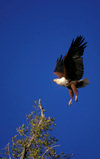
(34, 140)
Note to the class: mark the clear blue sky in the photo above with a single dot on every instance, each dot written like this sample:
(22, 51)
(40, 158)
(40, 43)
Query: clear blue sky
(32, 35)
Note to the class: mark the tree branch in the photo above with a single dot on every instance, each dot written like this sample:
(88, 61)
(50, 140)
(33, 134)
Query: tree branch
(24, 151)
(48, 150)
(42, 114)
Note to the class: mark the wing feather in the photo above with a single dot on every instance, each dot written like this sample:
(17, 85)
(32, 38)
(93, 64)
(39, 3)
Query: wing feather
(73, 61)
(59, 69)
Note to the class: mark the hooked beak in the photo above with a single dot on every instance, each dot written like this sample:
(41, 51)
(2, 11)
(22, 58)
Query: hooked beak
(54, 80)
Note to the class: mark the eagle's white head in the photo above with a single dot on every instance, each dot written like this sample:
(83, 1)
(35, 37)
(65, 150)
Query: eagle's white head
(61, 81)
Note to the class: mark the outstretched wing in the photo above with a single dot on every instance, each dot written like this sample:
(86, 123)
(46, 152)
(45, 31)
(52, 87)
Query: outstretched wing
(59, 69)
(73, 61)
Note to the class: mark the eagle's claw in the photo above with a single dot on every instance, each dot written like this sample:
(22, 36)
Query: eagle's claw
(70, 102)
(76, 98)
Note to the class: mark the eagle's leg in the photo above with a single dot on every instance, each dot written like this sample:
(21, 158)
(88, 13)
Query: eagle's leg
(75, 91)
(71, 95)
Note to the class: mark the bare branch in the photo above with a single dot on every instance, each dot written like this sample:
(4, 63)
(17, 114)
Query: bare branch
(23, 153)
(48, 150)
(42, 114)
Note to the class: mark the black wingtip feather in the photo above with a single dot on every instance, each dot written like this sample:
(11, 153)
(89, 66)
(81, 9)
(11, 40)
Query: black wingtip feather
(59, 65)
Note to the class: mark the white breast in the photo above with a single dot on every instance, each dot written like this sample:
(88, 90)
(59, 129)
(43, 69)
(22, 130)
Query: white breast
(62, 81)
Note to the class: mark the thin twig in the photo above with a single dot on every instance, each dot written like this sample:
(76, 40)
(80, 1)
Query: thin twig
(9, 151)
(48, 150)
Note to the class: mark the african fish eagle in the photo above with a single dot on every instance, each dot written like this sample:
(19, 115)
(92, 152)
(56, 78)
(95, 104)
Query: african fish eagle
(69, 69)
